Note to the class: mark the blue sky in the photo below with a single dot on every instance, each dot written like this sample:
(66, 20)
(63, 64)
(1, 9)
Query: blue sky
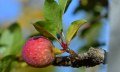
(9, 10)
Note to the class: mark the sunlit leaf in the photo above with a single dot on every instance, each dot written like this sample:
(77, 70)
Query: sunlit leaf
(53, 14)
(72, 30)
(64, 4)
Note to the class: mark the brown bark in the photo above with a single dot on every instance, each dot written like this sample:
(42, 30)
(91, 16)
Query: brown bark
(89, 59)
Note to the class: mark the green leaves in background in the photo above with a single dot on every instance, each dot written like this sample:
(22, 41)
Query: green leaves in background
(11, 41)
(18, 40)
(5, 63)
(64, 5)
(73, 29)
(91, 35)
(6, 39)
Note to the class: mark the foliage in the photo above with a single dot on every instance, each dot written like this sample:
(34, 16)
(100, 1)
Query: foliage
(5, 63)
(72, 30)
(64, 5)
(91, 33)
(54, 20)
(11, 42)
(91, 36)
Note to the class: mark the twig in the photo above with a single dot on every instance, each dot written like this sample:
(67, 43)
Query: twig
(89, 59)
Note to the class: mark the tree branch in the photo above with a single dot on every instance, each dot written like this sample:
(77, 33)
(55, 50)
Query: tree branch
(93, 57)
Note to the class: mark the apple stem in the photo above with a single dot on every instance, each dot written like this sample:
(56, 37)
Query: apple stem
(64, 45)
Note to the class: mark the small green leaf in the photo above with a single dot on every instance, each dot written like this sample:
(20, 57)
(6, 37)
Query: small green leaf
(64, 4)
(5, 63)
(57, 51)
(45, 29)
(72, 30)
(53, 14)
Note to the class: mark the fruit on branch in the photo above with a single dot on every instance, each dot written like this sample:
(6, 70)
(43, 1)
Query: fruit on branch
(38, 52)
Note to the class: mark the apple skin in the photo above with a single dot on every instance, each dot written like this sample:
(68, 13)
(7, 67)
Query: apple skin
(38, 52)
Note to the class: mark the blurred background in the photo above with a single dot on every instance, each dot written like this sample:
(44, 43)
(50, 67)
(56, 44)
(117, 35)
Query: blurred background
(17, 16)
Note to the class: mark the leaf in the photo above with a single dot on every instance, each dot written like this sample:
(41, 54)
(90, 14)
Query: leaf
(53, 14)
(18, 39)
(12, 40)
(7, 40)
(64, 5)
(72, 30)
(5, 63)
(45, 29)
(57, 51)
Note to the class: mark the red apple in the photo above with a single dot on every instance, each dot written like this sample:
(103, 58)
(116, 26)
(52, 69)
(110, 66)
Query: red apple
(38, 52)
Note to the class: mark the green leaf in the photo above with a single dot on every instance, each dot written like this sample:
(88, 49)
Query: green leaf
(53, 14)
(72, 30)
(11, 41)
(64, 5)
(45, 29)
(5, 63)
(7, 40)
(18, 39)
(57, 51)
